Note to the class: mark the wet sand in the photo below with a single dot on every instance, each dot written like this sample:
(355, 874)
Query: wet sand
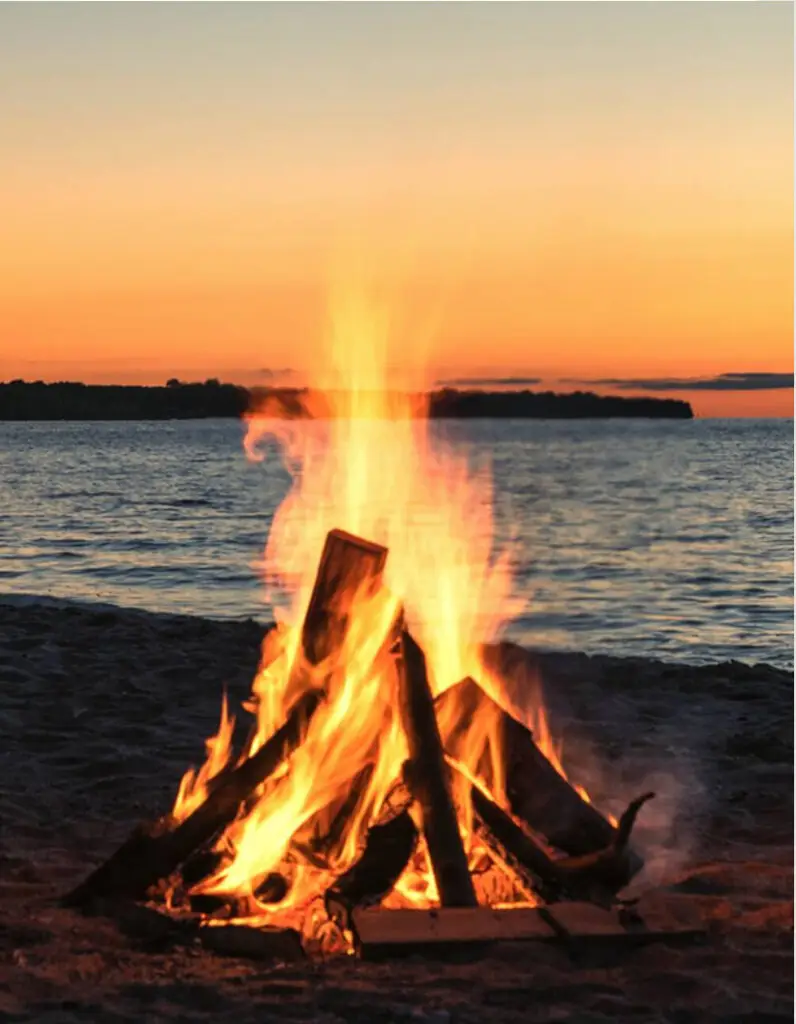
(102, 710)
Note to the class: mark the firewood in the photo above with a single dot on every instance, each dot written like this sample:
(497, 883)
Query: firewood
(596, 876)
(263, 943)
(388, 848)
(380, 933)
(348, 566)
(526, 850)
(325, 845)
(271, 888)
(429, 781)
(538, 795)
(153, 852)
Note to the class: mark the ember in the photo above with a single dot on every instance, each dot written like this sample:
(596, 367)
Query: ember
(381, 768)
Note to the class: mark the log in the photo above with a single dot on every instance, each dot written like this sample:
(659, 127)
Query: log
(528, 852)
(153, 852)
(388, 848)
(538, 795)
(272, 888)
(325, 845)
(263, 943)
(428, 778)
(596, 877)
(348, 565)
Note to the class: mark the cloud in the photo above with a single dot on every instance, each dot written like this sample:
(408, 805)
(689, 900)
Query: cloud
(722, 382)
(281, 374)
(488, 382)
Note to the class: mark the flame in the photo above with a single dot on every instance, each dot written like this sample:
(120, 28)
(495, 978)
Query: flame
(363, 459)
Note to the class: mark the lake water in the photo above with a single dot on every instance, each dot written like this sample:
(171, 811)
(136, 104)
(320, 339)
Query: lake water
(657, 538)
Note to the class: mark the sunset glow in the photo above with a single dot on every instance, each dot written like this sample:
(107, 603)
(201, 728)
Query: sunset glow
(567, 191)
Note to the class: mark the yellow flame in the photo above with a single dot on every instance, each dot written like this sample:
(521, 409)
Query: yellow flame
(363, 459)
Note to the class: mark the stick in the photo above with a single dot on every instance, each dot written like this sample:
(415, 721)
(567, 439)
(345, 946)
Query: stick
(429, 781)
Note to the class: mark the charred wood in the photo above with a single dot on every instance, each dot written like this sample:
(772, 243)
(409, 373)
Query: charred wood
(429, 783)
(537, 794)
(388, 848)
(153, 852)
(348, 566)
(596, 877)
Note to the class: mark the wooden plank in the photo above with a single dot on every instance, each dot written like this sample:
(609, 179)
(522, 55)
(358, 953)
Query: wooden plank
(154, 850)
(428, 781)
(538, 795)
(387, 933)
(654, 918)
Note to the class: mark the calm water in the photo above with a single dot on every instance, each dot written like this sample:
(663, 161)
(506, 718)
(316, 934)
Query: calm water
(664, 539)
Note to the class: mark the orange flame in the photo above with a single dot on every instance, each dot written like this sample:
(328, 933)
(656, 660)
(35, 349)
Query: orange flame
(363, 459)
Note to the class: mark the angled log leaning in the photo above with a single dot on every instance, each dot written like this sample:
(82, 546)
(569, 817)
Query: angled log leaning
(595, 877)
(538, 795)
(155, 850)
(428, 780)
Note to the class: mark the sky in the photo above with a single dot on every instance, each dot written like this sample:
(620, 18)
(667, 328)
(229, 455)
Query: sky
(584, 194)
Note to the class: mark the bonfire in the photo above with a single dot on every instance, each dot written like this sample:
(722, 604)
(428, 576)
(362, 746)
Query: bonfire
(388, 791)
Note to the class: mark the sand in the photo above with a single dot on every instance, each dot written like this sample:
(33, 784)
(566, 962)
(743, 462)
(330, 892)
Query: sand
(102, 709)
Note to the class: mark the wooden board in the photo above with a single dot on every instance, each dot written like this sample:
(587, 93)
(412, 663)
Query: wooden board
(379, 934)
(387, 933)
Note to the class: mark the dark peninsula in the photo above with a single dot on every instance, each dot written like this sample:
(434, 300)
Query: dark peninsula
(21, 400)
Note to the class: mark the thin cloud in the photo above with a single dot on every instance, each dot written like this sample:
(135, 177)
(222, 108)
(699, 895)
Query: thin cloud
(488, 382)
(722, 382)
(279, 376)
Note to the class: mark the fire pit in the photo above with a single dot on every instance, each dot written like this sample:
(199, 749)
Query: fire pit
(386, 797)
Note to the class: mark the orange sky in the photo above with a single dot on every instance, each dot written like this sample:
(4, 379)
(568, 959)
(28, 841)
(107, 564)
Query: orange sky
(562, 193)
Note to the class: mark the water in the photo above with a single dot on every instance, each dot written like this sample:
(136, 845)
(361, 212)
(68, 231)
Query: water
(663, 539)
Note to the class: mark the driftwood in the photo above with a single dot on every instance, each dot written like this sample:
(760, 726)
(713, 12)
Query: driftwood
(537, 794)
(348, 565)
(428, 781)
(387, 851)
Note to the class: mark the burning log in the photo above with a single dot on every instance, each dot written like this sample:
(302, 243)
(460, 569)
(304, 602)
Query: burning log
(387, 851)
(156, 850)
(348, 566)
(537, 793)
(596, 877)
(528, 853)
(325, 845)
(428, 778)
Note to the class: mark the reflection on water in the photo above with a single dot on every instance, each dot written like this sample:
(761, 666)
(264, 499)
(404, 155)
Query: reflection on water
(662, 539)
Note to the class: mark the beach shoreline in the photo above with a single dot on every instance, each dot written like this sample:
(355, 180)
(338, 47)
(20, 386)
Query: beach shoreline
(103, 708)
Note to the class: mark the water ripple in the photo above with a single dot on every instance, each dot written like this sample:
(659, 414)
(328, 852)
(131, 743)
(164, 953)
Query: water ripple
(670, 540)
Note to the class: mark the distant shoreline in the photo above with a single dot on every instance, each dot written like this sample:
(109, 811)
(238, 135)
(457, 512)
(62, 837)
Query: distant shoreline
(30, 401)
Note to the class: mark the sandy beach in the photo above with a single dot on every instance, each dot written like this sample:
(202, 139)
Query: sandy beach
(102, 710)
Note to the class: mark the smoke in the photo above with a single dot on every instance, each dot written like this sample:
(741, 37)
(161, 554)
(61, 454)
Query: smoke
(657, 739)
